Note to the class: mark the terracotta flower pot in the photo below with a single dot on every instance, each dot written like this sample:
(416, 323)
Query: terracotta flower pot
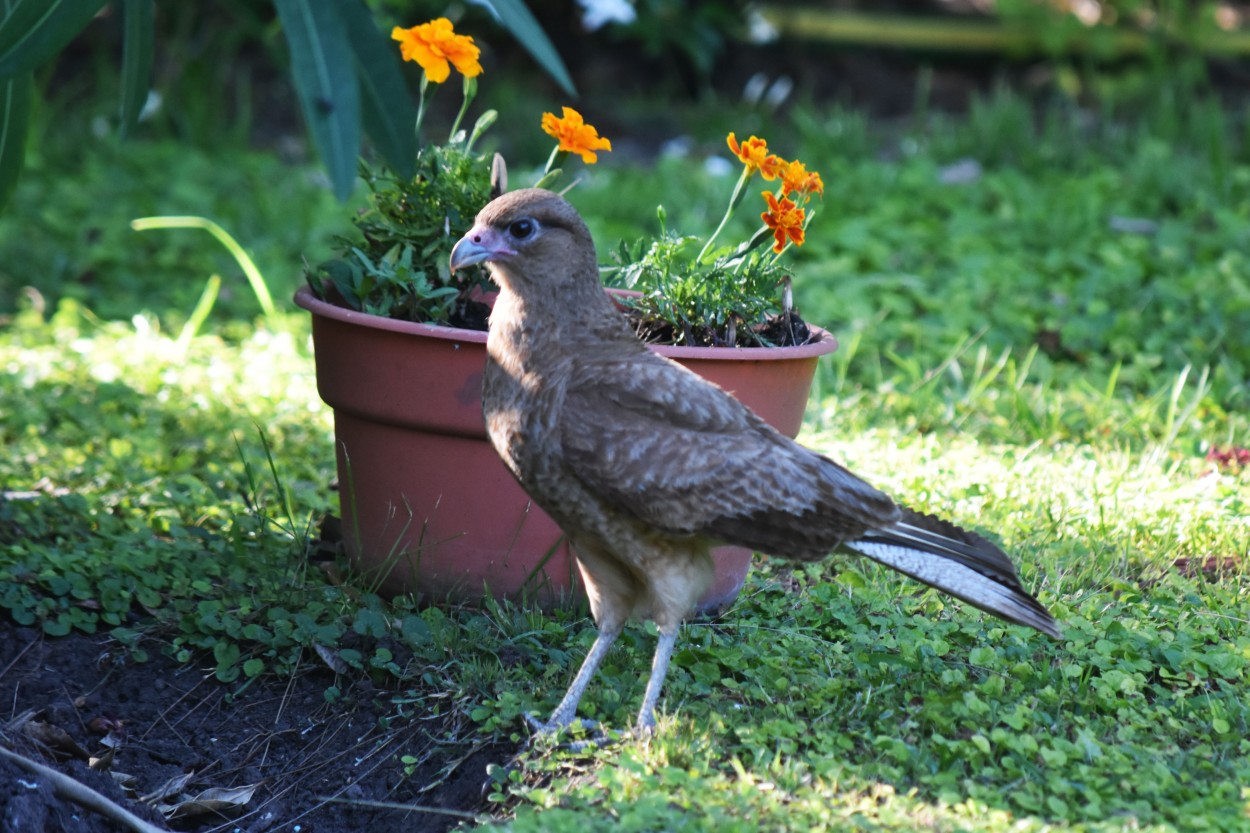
(428, 507)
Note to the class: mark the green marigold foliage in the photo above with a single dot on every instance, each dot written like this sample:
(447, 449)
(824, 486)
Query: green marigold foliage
(397, 267)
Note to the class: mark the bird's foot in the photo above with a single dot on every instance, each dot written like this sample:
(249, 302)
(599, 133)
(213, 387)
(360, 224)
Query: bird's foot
(602, 736)
(555, 724)
(646, 726)
(644, 731)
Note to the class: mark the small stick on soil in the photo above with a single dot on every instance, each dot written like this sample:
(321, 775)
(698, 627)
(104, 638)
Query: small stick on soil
(396, 805)
(81, 794)
(20, 654)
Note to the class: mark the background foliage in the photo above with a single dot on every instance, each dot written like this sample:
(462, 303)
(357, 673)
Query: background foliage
(1041, 299)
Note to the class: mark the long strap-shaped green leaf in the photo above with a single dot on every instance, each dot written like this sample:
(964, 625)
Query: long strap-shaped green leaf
(15, 94)
(518, 20)
(325, 79)
(389, 114)
(137, 49)
(33, 31)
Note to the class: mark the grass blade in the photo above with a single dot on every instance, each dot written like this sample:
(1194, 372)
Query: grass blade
(200, 314)
(1176, 416)
(254, 276)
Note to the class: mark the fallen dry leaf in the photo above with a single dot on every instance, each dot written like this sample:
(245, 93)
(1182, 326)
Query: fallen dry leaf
(104, 761)
(170, 788)
(105, 725)
(114, 740)
(1211, 568)
(54, 738)
(331, 658)
(124, 780)
(1231, 459)
(215, 800)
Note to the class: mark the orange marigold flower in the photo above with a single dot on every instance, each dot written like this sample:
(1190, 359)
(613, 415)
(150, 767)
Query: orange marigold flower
(574, 135)
(796, 178)
(754, 154)
(814, 185)
(434, 44)
(785, 219)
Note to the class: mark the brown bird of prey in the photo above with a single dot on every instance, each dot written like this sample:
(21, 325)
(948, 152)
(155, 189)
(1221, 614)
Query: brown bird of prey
(645, 465)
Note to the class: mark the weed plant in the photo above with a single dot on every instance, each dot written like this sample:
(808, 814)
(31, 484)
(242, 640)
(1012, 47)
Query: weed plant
(399, 266)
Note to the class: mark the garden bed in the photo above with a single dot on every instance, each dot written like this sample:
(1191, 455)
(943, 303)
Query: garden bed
(315, 765)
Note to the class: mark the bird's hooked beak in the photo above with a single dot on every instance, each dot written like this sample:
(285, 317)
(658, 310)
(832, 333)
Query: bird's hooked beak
(479, 245)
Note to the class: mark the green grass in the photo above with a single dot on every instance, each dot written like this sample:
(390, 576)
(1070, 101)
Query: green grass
(1008, 359)
(68, 234)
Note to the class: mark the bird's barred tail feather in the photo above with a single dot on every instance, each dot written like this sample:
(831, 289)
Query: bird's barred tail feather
(959, 562)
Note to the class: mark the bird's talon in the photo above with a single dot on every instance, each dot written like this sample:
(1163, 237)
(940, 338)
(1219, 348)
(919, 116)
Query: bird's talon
(539, 727)
(644, 730)
(602, 736)
(553, 726)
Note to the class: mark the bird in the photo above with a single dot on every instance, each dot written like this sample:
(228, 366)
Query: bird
(645, 465)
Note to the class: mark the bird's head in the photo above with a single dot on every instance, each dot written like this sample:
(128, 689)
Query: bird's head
(533, 241)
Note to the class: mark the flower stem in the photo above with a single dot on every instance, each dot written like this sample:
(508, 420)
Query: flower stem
(425, 86)
(739, 193)
(761, 234)
(483, 121)
(552, 171)
(556, 159)
(470, 90)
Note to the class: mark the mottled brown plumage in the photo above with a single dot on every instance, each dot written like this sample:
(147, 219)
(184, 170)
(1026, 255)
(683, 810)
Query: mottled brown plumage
(645, 465)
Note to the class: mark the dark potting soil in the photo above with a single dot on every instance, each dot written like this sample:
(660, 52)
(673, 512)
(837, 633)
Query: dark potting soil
(781, 330)
(786, 329)
(68, 700)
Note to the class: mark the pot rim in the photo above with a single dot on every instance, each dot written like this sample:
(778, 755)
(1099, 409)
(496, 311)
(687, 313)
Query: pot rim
(305, 298)
(824, 341)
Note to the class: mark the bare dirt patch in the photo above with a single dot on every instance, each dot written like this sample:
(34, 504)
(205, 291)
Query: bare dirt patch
(314, 765)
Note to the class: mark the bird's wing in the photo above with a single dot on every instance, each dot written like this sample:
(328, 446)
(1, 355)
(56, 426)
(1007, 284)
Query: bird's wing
(684, 456)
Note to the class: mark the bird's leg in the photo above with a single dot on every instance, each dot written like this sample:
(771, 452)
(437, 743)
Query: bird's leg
(564, 714)
(659, 669)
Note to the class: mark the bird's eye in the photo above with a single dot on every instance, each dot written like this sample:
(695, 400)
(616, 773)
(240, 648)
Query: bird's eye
(522, 229)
